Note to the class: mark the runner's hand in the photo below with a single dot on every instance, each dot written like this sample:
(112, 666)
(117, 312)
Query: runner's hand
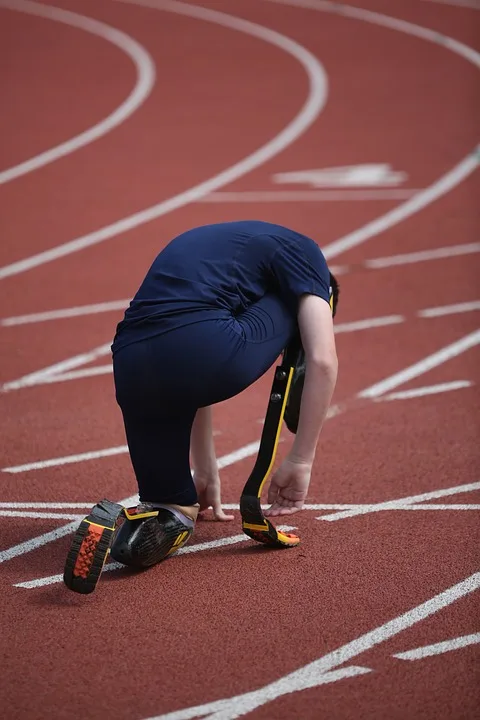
(208, 492)
(288, 488)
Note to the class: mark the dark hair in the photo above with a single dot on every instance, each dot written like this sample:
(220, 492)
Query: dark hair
(335, 293)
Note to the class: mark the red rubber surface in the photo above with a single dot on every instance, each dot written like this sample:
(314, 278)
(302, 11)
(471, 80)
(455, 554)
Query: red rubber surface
(220, 623)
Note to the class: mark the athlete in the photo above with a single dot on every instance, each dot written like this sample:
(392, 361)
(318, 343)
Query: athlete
(216, 309)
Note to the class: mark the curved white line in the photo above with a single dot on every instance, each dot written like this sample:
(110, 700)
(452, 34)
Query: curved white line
(314, 104)
(445, 183)
(145, 68)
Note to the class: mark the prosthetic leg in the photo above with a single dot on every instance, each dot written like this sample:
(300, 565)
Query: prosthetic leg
(284, 404)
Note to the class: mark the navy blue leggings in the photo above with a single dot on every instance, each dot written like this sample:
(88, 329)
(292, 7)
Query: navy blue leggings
(161, 382)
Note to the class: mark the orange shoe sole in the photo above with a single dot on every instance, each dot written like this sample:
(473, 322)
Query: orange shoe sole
(90, 547)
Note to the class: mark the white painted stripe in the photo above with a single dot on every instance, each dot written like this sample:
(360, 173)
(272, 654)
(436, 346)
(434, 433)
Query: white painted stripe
(271, 196)
(314, 674)
(369, 323)
(199, 547)
(471, 4)
(57, 368)
(67, 459)
(449, 309)
(419, 368)
(65, 313)
(15, 509)
(308, 114)
(145, 80)
(451, 507)
(439, 648)
(392, 504)
(445, 183)
(37, 515)
(422, 256)
(45, 505)
(74, 375)
(428, 390)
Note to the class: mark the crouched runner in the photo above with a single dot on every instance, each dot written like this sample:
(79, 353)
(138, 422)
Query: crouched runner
(217, 307)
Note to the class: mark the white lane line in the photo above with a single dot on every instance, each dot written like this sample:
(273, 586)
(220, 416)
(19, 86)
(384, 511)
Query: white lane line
(317, 95)
(439, 648)
(51, 515)
(13, 506)
(393, 504)
(423, 366)
(471, 4)
(74, 375)
(319, 671)
(45, 505)
(446, 182)
(145, 80)
(199, 547)
(449, 309)
(65, 313)
(369, 323)
(57, 369)
(427, 390)
(422, 256)
(269, 196)
(67, 459)
(37, 515)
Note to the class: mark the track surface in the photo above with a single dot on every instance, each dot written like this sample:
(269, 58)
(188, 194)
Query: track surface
(230, 628)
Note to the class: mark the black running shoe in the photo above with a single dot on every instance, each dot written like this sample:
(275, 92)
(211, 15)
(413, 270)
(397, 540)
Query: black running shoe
(90, 546)
(149, 534)
(294, 401)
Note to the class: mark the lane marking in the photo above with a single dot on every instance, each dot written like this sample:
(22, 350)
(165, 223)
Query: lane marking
(67, 459)
(145, 80)
(314, 104)
(319, 671)
(422, 256)
(428, 390)
(199, 547)
(393, 504)
(269, 196)
(57, 368)
(446, 182)
(73, 375)
(12, 506)
(369, 323)
(449, 309)
(471, 4)
(51, 515)
(423, 366)
(347, 176)
(439, 648)
(38, 515)
(66, 313)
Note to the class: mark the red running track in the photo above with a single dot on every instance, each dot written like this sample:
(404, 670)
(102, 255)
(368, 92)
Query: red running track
(230, 628)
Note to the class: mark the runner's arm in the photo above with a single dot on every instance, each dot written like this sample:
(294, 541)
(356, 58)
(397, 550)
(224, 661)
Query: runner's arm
(316, 330)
